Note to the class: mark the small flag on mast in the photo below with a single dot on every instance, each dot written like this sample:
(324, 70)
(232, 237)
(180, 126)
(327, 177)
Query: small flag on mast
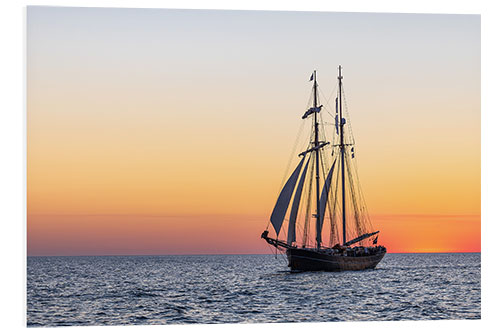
(312, 77)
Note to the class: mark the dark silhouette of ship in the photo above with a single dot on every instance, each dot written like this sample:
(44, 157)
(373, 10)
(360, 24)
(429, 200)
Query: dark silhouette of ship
(339, 200)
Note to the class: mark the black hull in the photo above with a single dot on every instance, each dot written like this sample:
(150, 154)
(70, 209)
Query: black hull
(313, 260)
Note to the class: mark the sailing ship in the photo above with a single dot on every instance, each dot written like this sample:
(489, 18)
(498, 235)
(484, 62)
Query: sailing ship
(352, 243)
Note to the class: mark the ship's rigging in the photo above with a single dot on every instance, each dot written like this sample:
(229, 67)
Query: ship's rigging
(324, 186)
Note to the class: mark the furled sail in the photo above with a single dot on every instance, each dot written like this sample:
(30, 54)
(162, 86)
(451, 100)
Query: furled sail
(360, 238)
(322, 203)
(279, 211)
(310, 111)
(295, 206)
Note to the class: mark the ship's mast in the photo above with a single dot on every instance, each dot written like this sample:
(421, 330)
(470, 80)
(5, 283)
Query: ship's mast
(316, 145)
(342, 155)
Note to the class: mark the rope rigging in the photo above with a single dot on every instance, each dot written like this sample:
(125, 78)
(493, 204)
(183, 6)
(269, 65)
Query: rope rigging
(357, 220)
(327, 195)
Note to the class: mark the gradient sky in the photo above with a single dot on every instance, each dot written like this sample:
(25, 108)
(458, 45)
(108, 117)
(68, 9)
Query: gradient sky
(154, 131)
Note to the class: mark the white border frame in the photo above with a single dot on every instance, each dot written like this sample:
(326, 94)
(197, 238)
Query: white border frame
(13, 155)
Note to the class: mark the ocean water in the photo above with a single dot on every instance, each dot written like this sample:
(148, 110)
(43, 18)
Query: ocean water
(131, 290)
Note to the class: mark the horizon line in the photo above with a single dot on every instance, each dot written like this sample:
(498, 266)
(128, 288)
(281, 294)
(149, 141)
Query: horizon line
(214, 254)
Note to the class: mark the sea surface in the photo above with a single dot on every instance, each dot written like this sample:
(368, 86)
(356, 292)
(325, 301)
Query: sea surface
(140, 290)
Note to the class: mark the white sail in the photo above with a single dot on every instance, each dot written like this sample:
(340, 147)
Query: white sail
(279, 211)
(295, 206)
(322, 203)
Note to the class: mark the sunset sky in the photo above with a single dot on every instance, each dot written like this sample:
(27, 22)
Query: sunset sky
(154, 131)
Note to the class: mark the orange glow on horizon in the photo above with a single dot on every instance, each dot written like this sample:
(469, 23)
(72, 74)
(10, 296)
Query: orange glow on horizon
(429, 232)
(227, 234)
